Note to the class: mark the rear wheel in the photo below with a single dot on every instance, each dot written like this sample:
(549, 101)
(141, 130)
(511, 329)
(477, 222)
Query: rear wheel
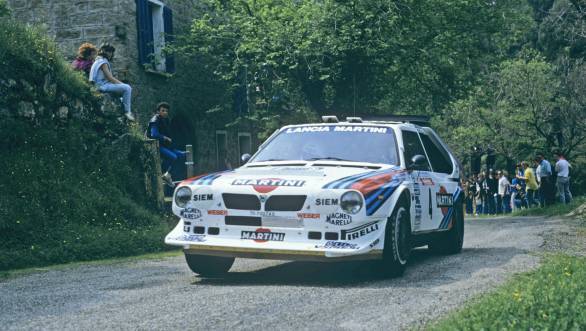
(209, 266)
(452, 241)
(397, 249)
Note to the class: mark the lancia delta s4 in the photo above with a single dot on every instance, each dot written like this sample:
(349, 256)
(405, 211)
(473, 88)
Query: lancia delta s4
(333, 191)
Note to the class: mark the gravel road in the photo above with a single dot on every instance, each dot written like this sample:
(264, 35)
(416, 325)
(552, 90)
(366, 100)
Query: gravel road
(262, 294)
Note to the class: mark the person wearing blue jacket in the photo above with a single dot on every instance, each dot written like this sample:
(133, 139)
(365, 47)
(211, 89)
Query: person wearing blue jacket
(159, 129)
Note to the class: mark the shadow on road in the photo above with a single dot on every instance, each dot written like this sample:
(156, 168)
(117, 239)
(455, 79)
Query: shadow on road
(424, 270)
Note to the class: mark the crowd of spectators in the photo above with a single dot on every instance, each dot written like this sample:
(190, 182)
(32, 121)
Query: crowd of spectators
(531, 185)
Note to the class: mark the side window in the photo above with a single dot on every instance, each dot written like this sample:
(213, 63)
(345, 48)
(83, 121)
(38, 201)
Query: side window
(438, 156)
(155, 30)
(412, 146)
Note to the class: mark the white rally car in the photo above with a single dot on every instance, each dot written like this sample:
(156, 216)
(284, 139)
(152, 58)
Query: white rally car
(330, 191)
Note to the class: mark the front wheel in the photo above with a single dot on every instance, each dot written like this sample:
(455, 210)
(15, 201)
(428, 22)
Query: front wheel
(452, 241)
(209, 266)
(397, 249)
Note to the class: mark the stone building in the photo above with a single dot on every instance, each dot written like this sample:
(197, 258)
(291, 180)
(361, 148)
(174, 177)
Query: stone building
(139, 30)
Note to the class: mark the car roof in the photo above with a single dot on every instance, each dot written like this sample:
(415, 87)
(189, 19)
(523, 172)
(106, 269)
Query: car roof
(390, 124)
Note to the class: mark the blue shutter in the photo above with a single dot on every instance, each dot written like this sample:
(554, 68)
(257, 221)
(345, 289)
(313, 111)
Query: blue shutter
(169, 38)
(144, 24)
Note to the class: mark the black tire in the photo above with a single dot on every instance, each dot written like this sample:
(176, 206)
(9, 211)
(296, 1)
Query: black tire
(397, 249)
(452, 241)
(209, 266)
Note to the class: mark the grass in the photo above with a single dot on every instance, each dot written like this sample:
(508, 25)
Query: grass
(70, 190)
(553, 297)
(5, 275)
(557, 209)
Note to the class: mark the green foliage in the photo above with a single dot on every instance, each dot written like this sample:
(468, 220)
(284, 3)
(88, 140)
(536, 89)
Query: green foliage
(70, 188)
(4, 10)
(550, 298)
(352, 56)
(555, 210)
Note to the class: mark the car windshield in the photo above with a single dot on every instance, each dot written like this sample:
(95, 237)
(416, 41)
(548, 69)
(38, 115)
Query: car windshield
(371, 144)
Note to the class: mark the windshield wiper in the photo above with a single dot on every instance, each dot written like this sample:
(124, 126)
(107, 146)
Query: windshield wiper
(328, 158)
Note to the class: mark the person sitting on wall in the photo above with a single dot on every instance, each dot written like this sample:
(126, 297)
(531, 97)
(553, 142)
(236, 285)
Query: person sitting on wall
(159, 129)
(101, 75)
(86, 55)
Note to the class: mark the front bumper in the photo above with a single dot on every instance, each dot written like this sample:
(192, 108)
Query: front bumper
(229, 244)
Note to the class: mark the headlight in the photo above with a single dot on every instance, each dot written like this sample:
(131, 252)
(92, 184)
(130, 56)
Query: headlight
(182, 196)
(351, 202)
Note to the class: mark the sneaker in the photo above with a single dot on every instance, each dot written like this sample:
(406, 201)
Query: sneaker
(167, 179)
(130, 117)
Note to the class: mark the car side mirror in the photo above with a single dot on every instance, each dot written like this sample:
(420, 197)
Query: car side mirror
(245, 157)
(417, 162)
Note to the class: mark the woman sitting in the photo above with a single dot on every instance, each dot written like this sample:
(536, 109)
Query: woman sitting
(101, 75)
(86, 54)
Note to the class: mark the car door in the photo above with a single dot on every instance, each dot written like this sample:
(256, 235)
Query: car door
(445, 187)
(421, 183)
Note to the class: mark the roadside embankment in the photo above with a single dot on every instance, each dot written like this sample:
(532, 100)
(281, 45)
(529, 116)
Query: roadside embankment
(77, 180)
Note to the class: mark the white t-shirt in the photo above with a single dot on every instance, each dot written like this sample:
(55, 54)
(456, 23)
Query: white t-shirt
(504, 185)
(563, 168)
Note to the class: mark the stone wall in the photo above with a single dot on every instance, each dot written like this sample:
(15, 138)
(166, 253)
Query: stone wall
(73, 22)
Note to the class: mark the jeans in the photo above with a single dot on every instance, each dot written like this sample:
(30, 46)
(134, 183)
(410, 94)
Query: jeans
(530, 196)
(119, 89)
(170, 156)
(506, 203)
(563, 184)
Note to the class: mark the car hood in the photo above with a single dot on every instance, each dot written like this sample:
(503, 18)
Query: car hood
(275, 178)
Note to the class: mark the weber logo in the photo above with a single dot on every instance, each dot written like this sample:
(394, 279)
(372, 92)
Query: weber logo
(359, 231)
(444, 199)
(262, 236)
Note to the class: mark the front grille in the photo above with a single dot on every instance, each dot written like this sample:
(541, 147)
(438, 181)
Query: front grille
(285, 203)
(243, 220)
(241, 201)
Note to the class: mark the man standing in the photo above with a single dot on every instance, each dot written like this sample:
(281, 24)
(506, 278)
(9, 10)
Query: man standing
(503, 193)
(562, 168)
(159, 129)
(492, 194)
(544, 175)
(530, 183)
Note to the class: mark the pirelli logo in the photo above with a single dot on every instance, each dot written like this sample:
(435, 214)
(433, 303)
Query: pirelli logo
(359, 231)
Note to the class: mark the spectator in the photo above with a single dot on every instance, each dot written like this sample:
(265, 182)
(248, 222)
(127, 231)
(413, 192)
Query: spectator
(530, 183)
(471, 195)
(483, 190)
(159, 129)
(562, 168)
(492, 194)
(86, 54)
(504, 197)
(517, 194)
(101, 75)
(544, 177)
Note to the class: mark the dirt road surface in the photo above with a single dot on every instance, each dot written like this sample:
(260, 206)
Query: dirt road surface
(263, 294)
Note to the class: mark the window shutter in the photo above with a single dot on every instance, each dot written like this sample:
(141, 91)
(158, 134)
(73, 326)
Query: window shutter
(169, 38)
(144, 22)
